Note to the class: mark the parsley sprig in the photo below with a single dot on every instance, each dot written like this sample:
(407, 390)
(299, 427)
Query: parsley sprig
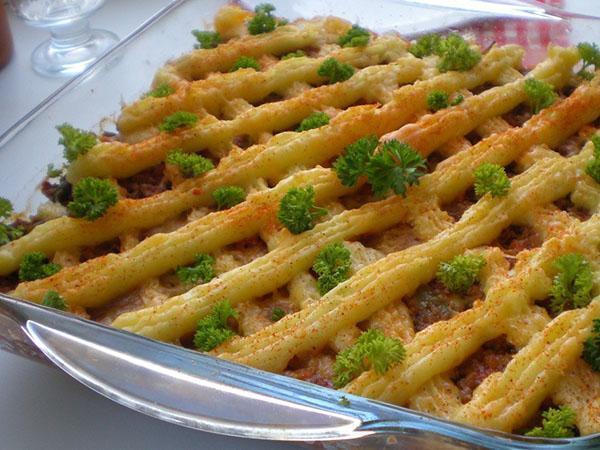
(426, 45)
(6, 207)
(213, 329)
(178, 120)
(206, 39)
(455, 53)
(162, 90)
(314, 120)
(437, 100)
(372, 350)
(335, 71)
(540, 94)
(353, 162)
(227, 196)
(202, 270)
(572, 285)
(297, 210)
(7, 232)
(491, 178)
(92, 197)
(296, 54)
(35, 266)
(593, 167)
(245, 62)
(590, 56)
(332, 265)
(591, 347)
(395, 167)
(76, 142)
(556, 423)
(264, 21)
(461, 272)
(53, 172)
(355, 37)
(189, 164)
(52, 299)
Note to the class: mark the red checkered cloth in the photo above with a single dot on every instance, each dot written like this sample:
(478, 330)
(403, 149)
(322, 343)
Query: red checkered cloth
(533, 35)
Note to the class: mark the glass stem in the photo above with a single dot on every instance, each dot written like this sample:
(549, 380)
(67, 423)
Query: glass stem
(72, 35)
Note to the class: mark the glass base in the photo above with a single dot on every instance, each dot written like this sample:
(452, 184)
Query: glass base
(53, 60)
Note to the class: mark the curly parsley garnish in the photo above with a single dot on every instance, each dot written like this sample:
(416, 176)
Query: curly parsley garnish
(52, 299)
(426, 45)
(206, 39)
(395, 167)
(593, 167)
(315, 120)
(277, 314)
(335, 71)
(35, 266)
(76, 142)
(53, 172)
(590, 56)
(202, 270)
(6, 207)
(491, 178)
(540, 94)
(263, 21)
(245, 62)
(355, 37)
(213, 329)
(162, 90)
(353, 163)
(591, 347)
(297, 210)
(227, 196)
(332, 266)
(178, 120)
(189, 164)
(461, 272)
(556, 423)
(7, 232)
(455, 53)
(296, 54)
(572, 285)
(437, 100)
(92, 197)
(372, 350)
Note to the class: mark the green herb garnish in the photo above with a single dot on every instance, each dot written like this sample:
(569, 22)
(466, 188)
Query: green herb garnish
(297, 210)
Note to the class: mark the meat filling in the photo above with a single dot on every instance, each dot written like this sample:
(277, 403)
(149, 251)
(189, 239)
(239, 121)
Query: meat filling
(434, 302)
(492, 357)
(515, 239)
(147, 183)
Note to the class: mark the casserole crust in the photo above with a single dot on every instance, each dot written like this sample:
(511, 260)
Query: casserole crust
(490, 356)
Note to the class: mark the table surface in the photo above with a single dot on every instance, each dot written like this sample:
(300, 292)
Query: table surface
(41, 407)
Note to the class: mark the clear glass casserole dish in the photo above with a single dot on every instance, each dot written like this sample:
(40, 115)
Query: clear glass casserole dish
(186, 387)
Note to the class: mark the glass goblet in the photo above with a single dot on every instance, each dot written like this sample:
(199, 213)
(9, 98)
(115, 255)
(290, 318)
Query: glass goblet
(73, 46)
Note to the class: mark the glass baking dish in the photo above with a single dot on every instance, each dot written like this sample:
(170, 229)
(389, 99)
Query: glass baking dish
(197, 390)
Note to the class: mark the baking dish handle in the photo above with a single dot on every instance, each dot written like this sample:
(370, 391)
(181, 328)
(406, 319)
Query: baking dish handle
(203, 392)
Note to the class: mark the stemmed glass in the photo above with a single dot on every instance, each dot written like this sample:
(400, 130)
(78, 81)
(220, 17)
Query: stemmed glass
(73, 45)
